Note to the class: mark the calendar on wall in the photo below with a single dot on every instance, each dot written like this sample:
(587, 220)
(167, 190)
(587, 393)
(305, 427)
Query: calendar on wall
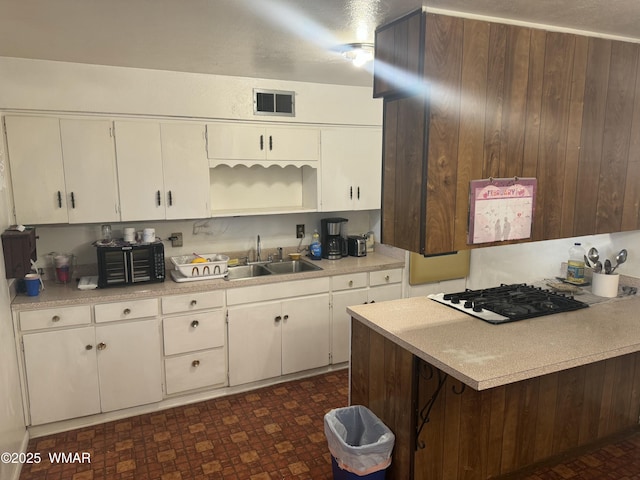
(501, 209)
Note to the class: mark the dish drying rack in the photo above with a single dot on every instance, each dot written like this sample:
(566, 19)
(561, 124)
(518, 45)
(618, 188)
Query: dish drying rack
(215, 266)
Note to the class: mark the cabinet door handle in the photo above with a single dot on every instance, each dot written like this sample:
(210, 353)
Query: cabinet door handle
(55, 318)
(358, 193)
(270, 143)
(73, 200)
(195, 323)
(261, 142)
(386, 278)
(193, 303)
(351, 283)
(278, 318)
(89, 347)
(286, 317)
(195, 363)
(59, 199)
(101, 346)
(158, 198)
(170, 199)
(350, 193)
(126, 311)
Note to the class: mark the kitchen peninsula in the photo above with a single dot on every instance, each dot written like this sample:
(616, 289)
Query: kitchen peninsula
(467, 399)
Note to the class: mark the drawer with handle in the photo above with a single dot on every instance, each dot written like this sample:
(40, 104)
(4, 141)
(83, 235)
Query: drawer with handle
(192, 302)
(347, 282)
(195, 370)
(111, 312)
(55, 317)
(198, 331)
(384, 277)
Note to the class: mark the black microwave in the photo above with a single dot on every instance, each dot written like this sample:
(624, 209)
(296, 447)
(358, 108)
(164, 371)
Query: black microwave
(130, 264)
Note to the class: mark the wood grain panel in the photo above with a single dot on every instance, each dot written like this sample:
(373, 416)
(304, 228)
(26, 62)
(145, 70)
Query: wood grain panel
(443, 62)
(472, 113)
(494, 99)
(595, 96)
(390, 172)
(534, 103)
(616, 137)
(359, 366)
(631, 208)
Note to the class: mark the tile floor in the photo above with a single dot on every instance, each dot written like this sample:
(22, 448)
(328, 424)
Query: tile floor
(273, 433)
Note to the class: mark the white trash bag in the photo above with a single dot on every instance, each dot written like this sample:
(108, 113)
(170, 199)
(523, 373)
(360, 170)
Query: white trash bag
(358, 440)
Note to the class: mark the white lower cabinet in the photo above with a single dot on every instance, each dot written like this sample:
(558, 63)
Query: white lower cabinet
(357, 289)
(83, 371)
(274, 338)
(194, 341)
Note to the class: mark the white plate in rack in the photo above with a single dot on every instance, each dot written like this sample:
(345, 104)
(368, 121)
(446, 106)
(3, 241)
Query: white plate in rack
(179, 277)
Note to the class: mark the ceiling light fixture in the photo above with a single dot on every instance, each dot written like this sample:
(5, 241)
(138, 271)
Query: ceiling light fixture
(358, 53)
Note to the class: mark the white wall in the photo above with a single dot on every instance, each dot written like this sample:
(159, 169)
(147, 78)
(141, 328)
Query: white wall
(13, 435)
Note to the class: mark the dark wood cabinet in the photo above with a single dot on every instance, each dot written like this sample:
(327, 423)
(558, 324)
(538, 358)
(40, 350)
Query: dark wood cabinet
(19, 249)
(500, 101)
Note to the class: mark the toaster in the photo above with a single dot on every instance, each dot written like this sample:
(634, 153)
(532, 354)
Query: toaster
(357, 246)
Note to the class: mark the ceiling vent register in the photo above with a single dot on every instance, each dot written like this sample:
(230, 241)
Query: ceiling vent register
(274, 102)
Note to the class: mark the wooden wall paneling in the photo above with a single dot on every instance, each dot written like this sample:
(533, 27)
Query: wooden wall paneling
(404, 420)
(571, 385)
(573, 135)
(615, 143)
(475, 51)
(608, 391)
(516, 84)
(376, 381)
(634, 410)
(497, 401)
(623, 381)
(443, 62)
(494, 99)
(429, 460)
(594, 384)
(385, 45)
(389, 171)
(547, 408)
(554, 126)
(451, 432)
(359, 365)
(537, 49)
(631, 209)
(595, 97)
(474, 433)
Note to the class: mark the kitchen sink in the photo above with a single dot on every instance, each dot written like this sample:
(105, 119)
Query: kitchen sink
(291, 266)
(247, 271)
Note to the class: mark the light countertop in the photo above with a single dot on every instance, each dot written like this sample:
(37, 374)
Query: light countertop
(55, 295)
(484, 356)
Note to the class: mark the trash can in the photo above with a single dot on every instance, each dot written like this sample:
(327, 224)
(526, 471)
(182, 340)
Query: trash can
(359, 442)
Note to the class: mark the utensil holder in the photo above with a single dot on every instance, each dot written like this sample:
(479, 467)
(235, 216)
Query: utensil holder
(605, 285)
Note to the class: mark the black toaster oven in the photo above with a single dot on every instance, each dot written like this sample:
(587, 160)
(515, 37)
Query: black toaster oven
(130, 264)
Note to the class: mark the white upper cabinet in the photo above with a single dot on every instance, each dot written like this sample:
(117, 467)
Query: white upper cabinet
(89, 170)
(37, 174)
(63, 170)
(351, 168)
(251, 143)
(163, 171)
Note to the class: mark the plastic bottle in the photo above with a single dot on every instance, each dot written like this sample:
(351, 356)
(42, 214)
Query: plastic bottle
(575, 265)
(315, 249)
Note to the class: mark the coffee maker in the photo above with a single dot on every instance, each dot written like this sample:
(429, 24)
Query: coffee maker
(333, 237)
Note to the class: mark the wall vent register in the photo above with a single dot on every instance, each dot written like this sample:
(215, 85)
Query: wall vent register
(274, 102)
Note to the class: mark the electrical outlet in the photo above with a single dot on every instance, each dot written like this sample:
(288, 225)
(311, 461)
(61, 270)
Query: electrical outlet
(176, 239)
(300, 231)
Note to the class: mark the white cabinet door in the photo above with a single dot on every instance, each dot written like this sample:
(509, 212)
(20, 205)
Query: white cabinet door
(186, 171)
(384, 293)
(255, 342)
(341, 322)
(140, 177)
(351, 169)
(226, 141)
(62, 374)
(89, 170)
(236, 141)
(129, 362)
(305, 333)
(37, 173)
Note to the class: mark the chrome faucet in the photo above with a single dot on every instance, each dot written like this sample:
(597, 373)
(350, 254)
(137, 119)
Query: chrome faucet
(259, 250)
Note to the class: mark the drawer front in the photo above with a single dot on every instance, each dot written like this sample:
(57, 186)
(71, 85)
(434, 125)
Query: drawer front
(277, 291)
(192, 302)
(197, 331)
(384, 277)
(195, 370)
(347, 282)
(55, 317)
(111, 312)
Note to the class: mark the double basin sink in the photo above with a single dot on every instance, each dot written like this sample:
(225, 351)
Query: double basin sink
(254, 270)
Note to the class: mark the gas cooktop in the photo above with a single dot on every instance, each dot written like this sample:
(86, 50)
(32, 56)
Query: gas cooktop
(509, 303)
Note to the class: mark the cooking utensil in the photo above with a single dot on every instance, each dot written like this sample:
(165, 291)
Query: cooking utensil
(586, 262)
(607, 266)
(593, 255)
(598, 267)
(620, 259)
